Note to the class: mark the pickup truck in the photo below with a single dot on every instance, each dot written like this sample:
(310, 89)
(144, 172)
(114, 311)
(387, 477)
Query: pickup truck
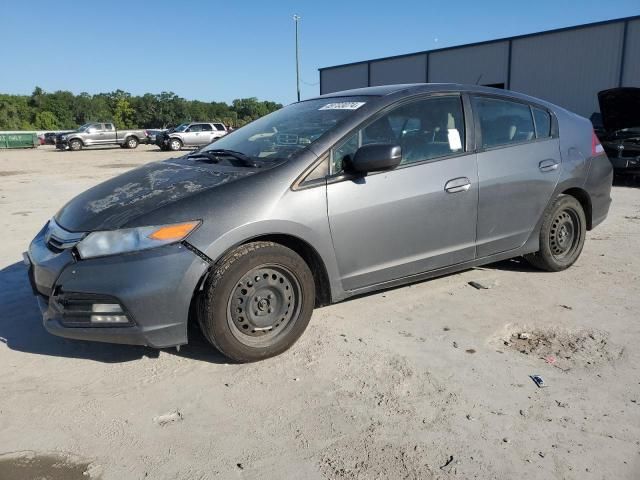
(194, 134)
(95, 133)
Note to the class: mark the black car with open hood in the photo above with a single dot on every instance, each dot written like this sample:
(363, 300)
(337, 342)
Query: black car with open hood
(619, 129)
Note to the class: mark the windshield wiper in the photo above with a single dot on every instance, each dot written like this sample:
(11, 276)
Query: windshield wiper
(217, 153)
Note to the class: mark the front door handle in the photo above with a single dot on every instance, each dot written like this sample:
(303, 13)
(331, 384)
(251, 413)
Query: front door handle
(455, 185)
(548, 165)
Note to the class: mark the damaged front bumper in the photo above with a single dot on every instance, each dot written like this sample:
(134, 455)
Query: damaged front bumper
(140, 298)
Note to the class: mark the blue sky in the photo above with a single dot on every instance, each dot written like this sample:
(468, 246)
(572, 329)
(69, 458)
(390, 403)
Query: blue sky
(210, 50)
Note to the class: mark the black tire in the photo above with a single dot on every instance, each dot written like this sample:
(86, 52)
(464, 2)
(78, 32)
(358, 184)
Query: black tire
(562, 235)
(75, 145)
(277, 285)
(131, 142)
(175, 144)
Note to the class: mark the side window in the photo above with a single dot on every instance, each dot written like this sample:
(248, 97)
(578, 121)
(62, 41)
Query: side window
(195, 128)
(425, 129)
(206, 127)
(503, 122)
(108, 126)
(543, 122)
(219, 127)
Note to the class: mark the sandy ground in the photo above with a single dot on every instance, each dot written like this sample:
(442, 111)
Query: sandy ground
(425, 381)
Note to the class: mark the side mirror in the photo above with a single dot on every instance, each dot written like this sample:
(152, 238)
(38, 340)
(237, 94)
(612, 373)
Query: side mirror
(375, 157)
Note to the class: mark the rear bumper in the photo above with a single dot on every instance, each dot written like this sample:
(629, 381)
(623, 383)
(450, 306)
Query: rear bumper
(154, 287)
(598, 185)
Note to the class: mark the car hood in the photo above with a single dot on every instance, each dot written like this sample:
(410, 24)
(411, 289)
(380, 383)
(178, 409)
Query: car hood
(116, 202)
(620, 108)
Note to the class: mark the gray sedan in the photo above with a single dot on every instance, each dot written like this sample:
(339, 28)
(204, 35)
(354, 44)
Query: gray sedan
(325, 199)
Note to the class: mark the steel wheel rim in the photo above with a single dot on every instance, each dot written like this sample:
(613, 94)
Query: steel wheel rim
(132, 143)
(565, 234)
(175, 145)
(264, 305)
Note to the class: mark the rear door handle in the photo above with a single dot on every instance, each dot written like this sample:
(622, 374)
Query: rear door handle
(548, 165)
(455, 185)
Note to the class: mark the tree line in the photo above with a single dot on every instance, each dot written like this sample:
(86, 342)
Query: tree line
(62, 110)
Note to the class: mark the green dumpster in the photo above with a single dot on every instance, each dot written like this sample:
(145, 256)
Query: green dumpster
(18, 140)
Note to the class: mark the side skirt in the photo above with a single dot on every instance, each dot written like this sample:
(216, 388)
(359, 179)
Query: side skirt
(458, 267)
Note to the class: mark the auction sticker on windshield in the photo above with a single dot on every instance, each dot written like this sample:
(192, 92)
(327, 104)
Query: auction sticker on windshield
(342, 106)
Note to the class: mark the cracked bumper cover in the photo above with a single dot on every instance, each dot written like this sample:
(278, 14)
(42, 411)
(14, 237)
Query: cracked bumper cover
(155, 287)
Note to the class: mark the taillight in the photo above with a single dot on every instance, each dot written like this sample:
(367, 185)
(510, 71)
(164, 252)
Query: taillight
(146, 133)
(596, 146)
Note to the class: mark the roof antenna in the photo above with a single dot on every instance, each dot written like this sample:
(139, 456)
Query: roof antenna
(478, 80)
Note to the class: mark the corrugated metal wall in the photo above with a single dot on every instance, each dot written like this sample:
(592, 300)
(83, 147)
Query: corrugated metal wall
(481, 64)
(411, 69)
(344, 78)
(631, 72)
(567, 67)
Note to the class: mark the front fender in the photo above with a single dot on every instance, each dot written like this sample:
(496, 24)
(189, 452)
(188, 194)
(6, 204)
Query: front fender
(320, 241)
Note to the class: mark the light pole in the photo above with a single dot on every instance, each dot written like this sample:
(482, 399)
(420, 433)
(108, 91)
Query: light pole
(296, 18)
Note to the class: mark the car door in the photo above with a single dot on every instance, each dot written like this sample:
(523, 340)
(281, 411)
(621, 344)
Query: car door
(109, 133)
(206, 136)
(191, 135)
(418, 217)
(518, 168)
(94, 135)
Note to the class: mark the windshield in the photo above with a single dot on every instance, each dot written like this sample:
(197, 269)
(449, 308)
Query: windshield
(84, 127)
(181, 128)
(286, 132)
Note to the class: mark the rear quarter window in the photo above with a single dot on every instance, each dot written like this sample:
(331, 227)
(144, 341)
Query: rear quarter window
(543, 122)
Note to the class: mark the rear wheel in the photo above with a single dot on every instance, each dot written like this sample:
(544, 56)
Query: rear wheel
(75, 145)
(257, 302)
(561, 236)
(132, 142)
(175, 144)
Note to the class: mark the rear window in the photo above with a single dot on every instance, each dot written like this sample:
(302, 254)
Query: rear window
(543, 122)
(503, 122)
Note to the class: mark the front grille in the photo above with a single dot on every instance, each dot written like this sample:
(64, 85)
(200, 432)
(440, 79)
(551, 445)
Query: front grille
(59, 239)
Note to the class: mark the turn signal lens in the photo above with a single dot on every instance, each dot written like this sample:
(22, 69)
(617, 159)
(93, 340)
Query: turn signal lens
(174, 232)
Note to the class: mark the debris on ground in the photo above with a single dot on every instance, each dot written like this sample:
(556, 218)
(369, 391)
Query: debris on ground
(449, 460)
(479, 286)
(566, 349)
(538, 380)
(168, 418)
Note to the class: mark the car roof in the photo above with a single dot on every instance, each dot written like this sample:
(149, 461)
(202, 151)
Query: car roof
(416, 88)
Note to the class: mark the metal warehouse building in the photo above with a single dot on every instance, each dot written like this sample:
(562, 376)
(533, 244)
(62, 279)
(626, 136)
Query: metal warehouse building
(568, 66)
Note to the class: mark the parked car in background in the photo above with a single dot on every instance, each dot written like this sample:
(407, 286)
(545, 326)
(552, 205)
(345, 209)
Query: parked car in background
(322, 200)
(97, 133)
(618, 127)
(152, 134)
(194, 134)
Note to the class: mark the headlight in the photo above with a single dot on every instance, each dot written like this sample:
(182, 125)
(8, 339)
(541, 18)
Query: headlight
(99, 244)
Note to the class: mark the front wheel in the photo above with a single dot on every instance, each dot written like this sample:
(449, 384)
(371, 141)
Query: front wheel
(562, 235)
(257, 302)
(75, 145)
(175, 144)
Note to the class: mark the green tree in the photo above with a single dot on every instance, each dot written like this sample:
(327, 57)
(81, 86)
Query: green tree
(63, 109)
(46, 121)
